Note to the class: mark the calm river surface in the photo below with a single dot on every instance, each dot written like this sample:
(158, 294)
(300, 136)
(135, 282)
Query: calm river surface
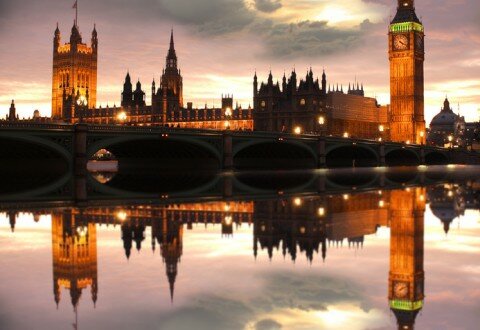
(366, 249)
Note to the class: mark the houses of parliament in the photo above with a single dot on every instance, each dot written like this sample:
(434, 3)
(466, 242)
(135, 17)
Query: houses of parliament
(295, 105)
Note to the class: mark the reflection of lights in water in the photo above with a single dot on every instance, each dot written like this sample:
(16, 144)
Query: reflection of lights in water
(262, 228)
(103, 177)
(228, 220)
(381, 204)
(82, 231)
(422, 198)
(346, 197)
(302, 230)
(321, 211)
(122, 215)
(227, 207)
(450, 193)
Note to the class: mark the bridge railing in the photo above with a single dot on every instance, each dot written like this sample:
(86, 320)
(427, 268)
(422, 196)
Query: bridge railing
(33, 125)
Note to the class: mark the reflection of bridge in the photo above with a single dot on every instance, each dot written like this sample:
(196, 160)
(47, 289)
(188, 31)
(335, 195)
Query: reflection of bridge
(191, 186)
(183, 148)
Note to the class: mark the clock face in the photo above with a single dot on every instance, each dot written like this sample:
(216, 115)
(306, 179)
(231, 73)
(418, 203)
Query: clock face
(419, 42)
(400, 289)
(400, 42)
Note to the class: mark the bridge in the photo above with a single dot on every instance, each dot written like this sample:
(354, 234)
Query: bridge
(66, 146)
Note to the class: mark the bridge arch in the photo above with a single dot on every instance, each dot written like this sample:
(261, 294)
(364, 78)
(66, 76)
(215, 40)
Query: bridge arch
(351, 155)
(436, 158)
(402, 157)
(178, 152)
(30, 163)
(274, 155)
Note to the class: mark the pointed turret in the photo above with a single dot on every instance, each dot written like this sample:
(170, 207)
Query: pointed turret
(94, 39)
(172, 55)
(75, 37)
(406, 12)
(12, 115)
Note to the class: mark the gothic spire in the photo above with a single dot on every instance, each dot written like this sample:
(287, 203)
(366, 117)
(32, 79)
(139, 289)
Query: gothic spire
(171, 51)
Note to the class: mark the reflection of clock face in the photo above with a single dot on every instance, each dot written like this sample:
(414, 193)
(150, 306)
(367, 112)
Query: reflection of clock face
(400, 289)
(400, 42)
(419, 42)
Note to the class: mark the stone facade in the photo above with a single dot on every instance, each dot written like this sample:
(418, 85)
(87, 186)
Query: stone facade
(74, 80)
(309, 108)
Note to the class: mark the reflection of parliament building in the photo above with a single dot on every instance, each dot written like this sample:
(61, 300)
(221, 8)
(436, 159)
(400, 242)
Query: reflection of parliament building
(307, 226)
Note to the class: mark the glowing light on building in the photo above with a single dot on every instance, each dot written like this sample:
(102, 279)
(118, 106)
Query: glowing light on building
(122, 215)
(297, 130)
(321, 211)
(122, 116)
(297, 202)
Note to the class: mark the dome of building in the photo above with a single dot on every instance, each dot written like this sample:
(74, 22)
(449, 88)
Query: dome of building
(36, 114)
(445, 117)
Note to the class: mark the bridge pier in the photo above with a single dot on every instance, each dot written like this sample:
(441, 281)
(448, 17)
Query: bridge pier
(321, 153)
(227, 154)
(80, 161)
(422, 156)
(227, 187)
(382, 155)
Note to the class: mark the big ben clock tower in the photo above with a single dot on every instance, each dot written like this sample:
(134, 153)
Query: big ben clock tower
(407, 55)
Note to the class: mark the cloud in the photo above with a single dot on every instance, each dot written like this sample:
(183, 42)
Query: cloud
(311, 39)
(209, 16)
(284, 302)
(267, 324)
(268, 6)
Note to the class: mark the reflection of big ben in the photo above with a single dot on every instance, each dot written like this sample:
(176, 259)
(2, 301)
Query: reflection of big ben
(74, 248)
(406, 277)
(406, 53)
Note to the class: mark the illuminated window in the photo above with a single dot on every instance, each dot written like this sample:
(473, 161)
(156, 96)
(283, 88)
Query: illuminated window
(263, 104)
(302, 102)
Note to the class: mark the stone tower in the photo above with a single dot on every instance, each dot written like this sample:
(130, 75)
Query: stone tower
(406, 277)
(74, 74)
(407, 55)
(74, 249)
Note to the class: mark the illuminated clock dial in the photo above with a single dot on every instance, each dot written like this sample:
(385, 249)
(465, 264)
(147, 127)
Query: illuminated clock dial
(400, 289)
(400, 42)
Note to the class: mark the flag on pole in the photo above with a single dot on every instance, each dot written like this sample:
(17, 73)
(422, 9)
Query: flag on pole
(75, 5)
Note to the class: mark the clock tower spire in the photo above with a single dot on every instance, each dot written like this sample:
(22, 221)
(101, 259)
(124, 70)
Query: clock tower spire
(407, 55)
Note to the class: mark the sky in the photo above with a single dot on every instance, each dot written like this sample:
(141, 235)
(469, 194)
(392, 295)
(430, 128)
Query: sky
(220, 44)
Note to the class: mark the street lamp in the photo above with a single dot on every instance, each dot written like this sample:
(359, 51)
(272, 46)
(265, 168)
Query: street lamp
(450, 139)
(346, 135)
(321, 122)
(381, 129)
(422, 135)
(122, 116)
(298, 130)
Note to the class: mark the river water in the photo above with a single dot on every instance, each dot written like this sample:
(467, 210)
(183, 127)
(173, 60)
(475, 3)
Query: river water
(351, 250)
